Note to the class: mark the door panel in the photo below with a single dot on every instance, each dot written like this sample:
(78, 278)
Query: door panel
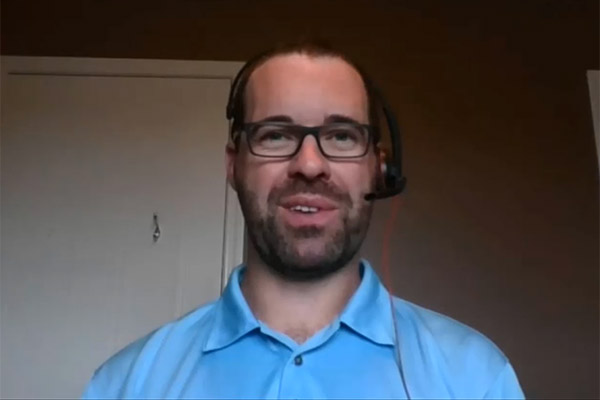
(86, 162)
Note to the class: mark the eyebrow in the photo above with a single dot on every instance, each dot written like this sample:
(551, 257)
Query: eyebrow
(332, 118)
(277, 118)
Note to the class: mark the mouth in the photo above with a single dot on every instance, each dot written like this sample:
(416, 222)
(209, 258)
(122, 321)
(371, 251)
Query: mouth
(305, 209)
(308, 210)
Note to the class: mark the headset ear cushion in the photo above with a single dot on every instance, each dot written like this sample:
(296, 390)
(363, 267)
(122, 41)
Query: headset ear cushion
(394, 179)
(389, 176)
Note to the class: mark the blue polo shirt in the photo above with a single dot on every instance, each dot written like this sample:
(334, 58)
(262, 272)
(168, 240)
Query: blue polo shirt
(221, 351)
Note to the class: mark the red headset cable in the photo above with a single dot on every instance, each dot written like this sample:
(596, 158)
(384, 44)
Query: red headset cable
(387, 279)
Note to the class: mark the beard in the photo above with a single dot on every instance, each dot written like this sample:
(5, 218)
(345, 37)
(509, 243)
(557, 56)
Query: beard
(278, 245)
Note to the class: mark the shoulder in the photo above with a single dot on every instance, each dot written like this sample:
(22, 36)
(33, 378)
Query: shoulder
(469, 364)
(126, 370)
(451, 336)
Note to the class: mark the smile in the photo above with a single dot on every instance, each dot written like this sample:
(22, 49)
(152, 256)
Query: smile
(305, 209)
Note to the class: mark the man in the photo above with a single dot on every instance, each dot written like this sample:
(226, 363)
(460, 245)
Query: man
(306, 317)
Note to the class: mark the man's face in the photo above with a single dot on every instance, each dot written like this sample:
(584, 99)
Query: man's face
(303, 243)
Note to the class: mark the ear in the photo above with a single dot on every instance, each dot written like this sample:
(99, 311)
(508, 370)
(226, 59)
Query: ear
(381, 160)
(381, 155)
(230, 157)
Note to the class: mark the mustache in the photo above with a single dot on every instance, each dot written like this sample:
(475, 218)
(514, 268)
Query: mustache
(298, 186)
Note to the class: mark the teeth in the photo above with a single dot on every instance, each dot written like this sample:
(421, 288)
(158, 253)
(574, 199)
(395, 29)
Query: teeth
(304, 209)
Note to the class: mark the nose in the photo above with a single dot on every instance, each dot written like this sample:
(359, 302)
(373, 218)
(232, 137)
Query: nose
(309, 162)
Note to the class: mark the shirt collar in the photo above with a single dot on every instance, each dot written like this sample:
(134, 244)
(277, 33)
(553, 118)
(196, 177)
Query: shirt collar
(368, 312)
(233, 317)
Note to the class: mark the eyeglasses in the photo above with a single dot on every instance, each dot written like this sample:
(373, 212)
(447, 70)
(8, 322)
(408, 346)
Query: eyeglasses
(282, 139)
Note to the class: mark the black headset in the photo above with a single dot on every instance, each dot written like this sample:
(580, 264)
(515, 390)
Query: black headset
(393, 181)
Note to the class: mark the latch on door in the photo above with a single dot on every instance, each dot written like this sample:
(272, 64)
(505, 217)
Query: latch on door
(156, 234)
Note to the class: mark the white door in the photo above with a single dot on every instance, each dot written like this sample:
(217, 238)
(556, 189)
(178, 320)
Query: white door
(91, 149)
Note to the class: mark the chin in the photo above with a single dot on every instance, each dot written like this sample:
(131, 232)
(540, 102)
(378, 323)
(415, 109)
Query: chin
(314, 251)
(313, 259)
(310, 262)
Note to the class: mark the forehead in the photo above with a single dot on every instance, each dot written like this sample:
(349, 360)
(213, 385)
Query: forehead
(307, 89)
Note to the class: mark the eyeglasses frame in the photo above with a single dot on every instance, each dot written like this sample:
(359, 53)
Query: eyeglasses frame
(307, 131)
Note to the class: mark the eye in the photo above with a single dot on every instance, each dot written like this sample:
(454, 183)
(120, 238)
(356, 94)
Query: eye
(343, 136)
(343, 140)
(273, 136)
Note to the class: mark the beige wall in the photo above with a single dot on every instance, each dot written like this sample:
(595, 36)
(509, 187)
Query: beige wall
(499, 225)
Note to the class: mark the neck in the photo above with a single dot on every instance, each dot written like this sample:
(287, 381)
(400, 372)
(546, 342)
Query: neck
(297, 309)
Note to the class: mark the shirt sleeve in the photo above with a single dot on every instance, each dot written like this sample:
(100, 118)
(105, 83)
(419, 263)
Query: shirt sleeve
(90, 391)
(104, 385)
(506, 385)
(93, 391)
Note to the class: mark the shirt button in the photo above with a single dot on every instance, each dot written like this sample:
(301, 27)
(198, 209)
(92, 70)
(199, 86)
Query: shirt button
(298, 360)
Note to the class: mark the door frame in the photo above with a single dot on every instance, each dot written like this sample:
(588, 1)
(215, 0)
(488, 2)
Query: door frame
(233, 223)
